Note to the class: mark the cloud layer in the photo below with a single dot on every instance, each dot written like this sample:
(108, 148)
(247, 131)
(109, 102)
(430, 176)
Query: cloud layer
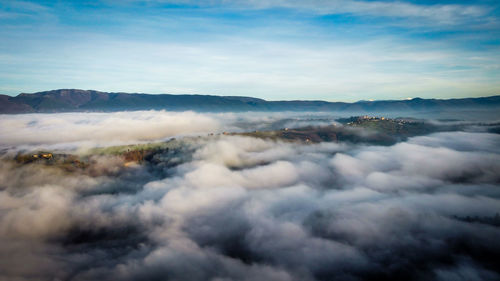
(87, 130)
(241, 208)
(102, 128)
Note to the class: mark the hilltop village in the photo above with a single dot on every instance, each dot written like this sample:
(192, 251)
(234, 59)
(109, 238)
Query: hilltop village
(360, 129)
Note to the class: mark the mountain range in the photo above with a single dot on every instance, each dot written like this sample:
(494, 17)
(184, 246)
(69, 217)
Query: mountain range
(74, 100)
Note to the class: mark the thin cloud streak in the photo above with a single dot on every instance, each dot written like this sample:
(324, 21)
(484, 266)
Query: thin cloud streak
(436, 14)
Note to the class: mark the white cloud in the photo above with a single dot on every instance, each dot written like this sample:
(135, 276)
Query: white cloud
(103, 129)
(435, 14)
(244, 208)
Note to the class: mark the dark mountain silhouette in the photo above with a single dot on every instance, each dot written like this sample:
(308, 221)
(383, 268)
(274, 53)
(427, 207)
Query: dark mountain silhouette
(72, 100)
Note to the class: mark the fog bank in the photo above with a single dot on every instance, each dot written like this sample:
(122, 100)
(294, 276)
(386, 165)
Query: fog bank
(242, 208)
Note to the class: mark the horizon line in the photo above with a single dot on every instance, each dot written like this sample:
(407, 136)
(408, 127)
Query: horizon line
(229, 96)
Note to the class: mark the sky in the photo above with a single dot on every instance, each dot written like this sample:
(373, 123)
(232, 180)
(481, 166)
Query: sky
(273, 49)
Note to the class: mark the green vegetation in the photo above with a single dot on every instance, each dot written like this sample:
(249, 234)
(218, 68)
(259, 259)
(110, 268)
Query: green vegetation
(122, 149)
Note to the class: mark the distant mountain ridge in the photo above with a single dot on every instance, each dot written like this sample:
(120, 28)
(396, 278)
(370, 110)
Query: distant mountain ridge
(74, 100)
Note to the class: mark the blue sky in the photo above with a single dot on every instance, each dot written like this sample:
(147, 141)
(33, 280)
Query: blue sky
(274, 49)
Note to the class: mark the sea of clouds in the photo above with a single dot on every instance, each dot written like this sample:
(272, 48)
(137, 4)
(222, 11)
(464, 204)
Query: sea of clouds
(72, 131)
(241, 208)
